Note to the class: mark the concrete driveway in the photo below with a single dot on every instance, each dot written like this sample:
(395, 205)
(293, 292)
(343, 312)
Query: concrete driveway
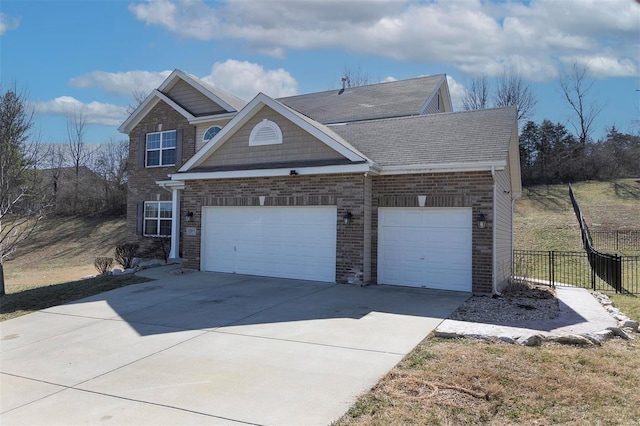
(207, 348)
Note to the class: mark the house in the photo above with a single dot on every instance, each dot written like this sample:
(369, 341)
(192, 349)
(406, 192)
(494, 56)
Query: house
(373, 184)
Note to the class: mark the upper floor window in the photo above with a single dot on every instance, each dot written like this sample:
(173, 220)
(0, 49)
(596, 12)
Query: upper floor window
(210, 133)
(265, 132)
(161, 149)
(157, 218)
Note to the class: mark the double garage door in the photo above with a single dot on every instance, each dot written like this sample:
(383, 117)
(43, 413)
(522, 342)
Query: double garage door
(285, 242)
(425, 247)
(418, 247)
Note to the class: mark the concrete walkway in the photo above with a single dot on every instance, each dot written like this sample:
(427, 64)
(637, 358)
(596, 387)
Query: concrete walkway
(580, 314)
(206, 348)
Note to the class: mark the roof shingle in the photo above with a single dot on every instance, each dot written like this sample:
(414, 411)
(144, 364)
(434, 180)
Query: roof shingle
(375, 101)
(457, 137)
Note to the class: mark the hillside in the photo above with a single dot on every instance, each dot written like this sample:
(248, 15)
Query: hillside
(544, 217)
(62, 249)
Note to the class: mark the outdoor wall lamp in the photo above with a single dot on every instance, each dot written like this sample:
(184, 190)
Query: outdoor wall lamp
(189, 216)
(482, 221)
(347, 217)
(293, 173)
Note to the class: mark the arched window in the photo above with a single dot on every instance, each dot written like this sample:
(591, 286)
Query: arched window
(210, 133)
(265, 133)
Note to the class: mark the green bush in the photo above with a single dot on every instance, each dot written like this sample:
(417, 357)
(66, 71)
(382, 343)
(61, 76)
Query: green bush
(125, 254)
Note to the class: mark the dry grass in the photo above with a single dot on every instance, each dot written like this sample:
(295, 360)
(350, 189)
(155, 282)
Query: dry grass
(63, 249)
(472, 382)
(544, 217)
(23, 302)
(469, 382)
(46, 270)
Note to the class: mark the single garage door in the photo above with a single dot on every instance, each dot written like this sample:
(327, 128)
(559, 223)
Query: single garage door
(425, 247)
(285, 242)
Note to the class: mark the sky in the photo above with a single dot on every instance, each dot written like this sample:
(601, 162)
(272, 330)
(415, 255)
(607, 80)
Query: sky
(89, 56)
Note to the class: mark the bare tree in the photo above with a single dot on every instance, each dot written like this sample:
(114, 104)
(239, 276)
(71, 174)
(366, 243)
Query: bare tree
(79, 154)
(111, 165)
(512, 91)
(575, 85)
(23, 199)
(138, 96)
(477, 94)
(354, 78)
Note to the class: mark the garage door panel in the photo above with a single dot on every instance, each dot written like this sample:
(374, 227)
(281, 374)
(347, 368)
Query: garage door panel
(287, 242)
(425, 247)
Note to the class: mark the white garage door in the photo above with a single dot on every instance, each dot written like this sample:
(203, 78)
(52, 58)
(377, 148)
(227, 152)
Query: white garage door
(286, 242)
(425, 247)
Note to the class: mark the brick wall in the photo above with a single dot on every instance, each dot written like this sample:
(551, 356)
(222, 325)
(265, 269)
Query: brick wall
(142, 181)
(344, 191)
(473, 189)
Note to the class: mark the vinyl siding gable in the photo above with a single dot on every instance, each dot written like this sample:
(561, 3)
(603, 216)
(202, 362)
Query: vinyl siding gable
(297, 145)
(192, 100)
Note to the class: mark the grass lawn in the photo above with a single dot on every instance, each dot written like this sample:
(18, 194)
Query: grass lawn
(46, 269)
(25, 301)
(460, 382)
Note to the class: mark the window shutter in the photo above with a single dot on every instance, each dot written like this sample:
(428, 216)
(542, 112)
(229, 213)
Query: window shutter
(178, 147)
(139, 217)
(142, 148)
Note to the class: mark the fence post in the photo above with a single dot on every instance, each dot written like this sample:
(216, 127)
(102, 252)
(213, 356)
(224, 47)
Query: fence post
(552, 266)
(593, 270)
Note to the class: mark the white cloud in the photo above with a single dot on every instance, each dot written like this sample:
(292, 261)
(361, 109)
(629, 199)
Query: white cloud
(95, 112)
(474, 36)
(122, 82)
(8, 23)
(457, 92)
(245, 79)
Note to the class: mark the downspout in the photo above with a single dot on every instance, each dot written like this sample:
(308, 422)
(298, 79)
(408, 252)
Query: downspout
(494, 277)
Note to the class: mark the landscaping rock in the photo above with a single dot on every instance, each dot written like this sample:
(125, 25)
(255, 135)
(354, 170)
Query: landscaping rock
(532, 340)
(572, 339)
(507, 339)
(597, 338)
(116, 272)
(629, 323)
(447, 334)
(617, 331)
(129, 271)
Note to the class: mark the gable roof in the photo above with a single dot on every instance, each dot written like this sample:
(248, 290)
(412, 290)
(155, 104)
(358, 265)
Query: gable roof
(375, 101)
(319, 131)
(470, 137)
(230, 103)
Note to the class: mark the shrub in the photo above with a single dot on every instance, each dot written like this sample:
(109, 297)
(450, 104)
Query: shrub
(103, 264)
(125, 254)
(163, 247)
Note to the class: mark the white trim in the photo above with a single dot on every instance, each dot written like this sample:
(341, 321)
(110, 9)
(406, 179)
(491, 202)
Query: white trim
(479, 166)
(349, 168)
(252, 108)
(424, 107)
(147, 105)
(170, 82)
(175, 224)
(170, 184)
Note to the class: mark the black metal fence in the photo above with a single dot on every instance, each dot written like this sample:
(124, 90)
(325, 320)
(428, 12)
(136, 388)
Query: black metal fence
(564, 268)
(616, 240)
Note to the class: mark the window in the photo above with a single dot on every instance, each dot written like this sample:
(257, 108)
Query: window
(157, 218)
(210, 133)
(265, 133)
(161, 149)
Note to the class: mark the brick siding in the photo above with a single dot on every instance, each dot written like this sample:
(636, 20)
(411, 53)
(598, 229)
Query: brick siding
(345, 191)
(142, 181)
(472, 189)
